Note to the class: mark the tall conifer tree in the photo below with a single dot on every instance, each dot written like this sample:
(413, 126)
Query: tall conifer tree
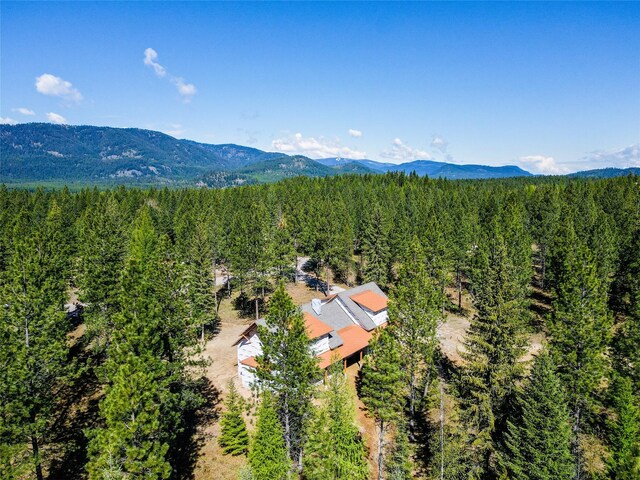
(580, 333)
(102, 251)
(288, 368)
(538, 440)
(234, 438)
(382, 389)
(33, 327)
(200, 273)
(414, 313)
(334, 447)
(493, 347)
(144, 368)
(624, 436)
(268, 455)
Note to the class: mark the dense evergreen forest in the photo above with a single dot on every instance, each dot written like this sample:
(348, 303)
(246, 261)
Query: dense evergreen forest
(114, 390)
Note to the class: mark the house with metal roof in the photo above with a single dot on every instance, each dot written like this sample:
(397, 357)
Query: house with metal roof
(339, 326)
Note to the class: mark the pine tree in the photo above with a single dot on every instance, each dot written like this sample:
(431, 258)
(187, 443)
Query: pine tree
(624, 436)
(202, 301)
(234, 438)
(448, 439)
(398, 463)
(436, 253)
(334, 448)
(579, 329)
(33, 328)
(145, 395)
(538, 440)
(414, 312)
(288, 368)
(375, 246)
(382, 389)
(268, 456)
(493, 347)
(135, 441)
(102, 251)
(627, 340)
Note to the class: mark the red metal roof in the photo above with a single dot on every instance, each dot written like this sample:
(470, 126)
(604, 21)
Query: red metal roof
(315, 327)
(355, 339)
(250, 362)
(370, 300)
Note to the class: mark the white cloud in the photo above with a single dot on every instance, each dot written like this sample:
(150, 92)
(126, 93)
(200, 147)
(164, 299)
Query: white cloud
(400, 153)
(55, 118)
(51, 85)
(23, 111)
(624, 157)
(186, 90)
(315, 147)
(175, 131)
(439, 143)
(7, 121)
(150, 57)
(541, 164)
(355, 133)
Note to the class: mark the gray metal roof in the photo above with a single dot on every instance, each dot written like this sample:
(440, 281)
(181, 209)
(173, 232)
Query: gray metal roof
(333, 314)
(355, 309)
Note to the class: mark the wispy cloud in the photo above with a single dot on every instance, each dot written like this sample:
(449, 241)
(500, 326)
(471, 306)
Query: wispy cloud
(23, 111)
(56, 118)
(7, 121)
(542, 164)
(439, 144)
(175, 130)
(251, 135)
(355, 133)
(186, 90)
(315, 147)
(53, 86)
(150, 57)
(624, 157)
(400, 153)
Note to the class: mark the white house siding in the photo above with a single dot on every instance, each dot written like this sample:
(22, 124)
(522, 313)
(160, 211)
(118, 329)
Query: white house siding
(320, 345)
(250, 347)
(247, 375)
(378, 318)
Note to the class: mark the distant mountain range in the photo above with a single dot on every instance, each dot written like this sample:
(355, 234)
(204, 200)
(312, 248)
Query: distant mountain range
(34, 153)
(435, 169)
(606, 172)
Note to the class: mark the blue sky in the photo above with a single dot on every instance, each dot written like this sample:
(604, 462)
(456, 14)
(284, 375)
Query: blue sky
(552, 87)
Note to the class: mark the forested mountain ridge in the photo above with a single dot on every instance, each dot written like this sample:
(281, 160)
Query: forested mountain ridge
(606, 172)
(436, 169)
(33, 153)
(41, 152)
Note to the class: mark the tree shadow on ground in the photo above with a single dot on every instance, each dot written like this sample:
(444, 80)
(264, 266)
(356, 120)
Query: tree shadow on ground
(540, 305)
(191, 440)
(311, 277)
(76, 412)
(423, 428)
